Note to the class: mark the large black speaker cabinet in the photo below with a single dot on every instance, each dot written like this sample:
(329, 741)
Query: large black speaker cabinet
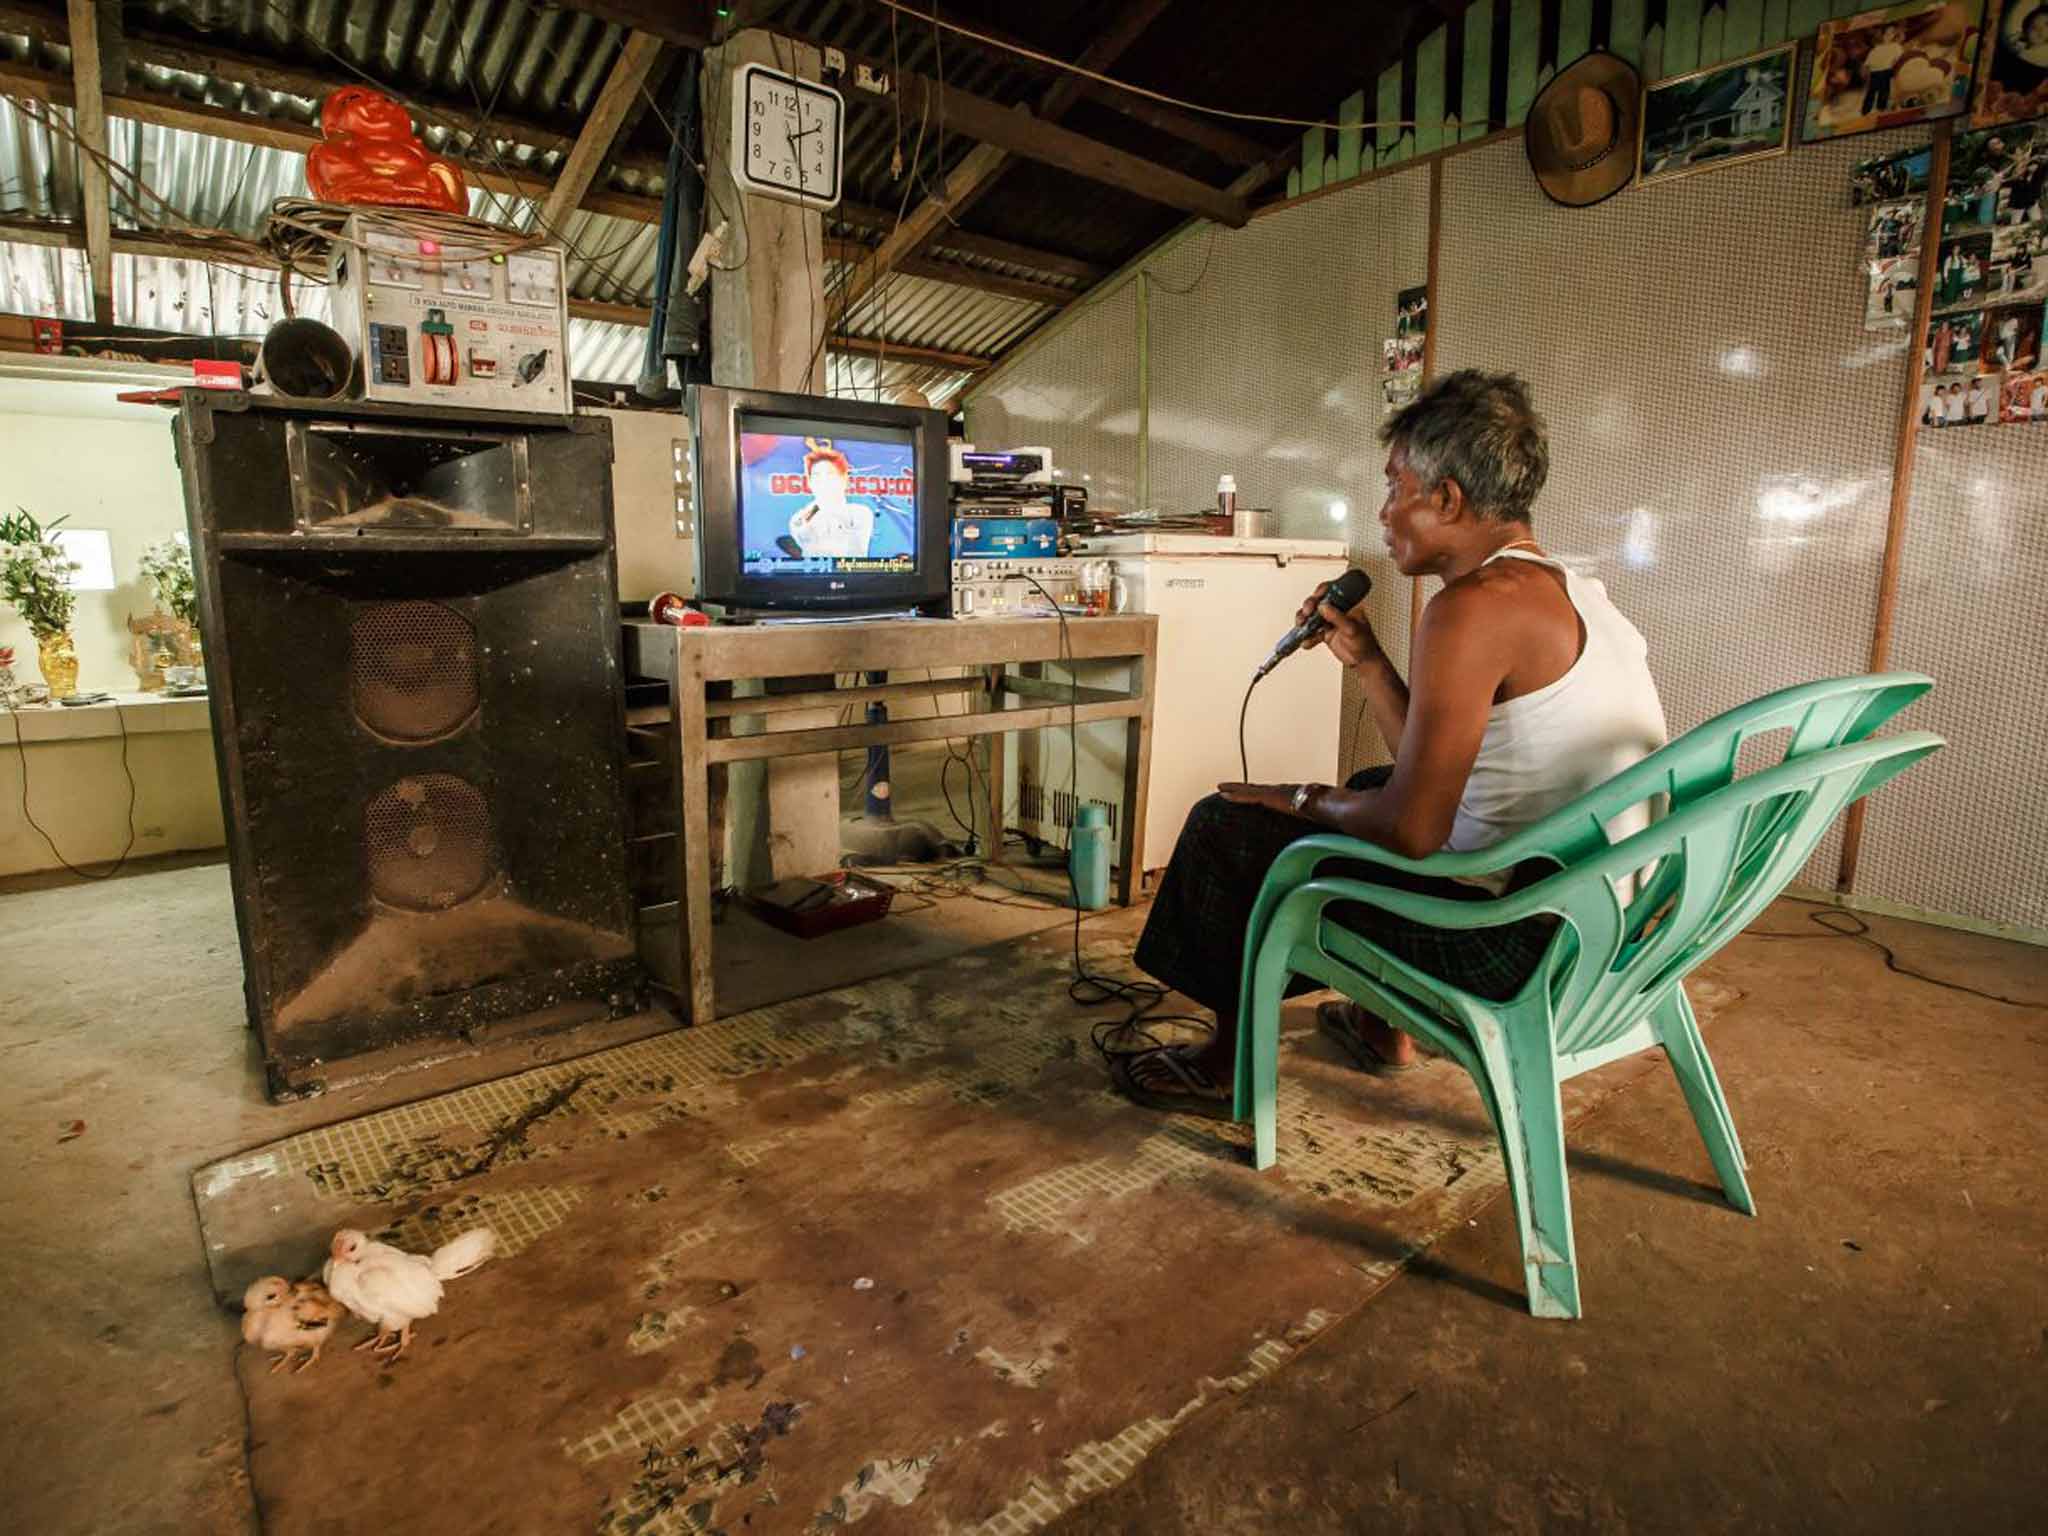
(411, 632)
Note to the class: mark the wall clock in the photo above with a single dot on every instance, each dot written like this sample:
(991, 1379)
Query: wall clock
(788, 133)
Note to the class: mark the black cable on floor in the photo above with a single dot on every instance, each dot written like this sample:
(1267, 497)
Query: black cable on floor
(114, 869)
(1133, 1032)
(1847, 925)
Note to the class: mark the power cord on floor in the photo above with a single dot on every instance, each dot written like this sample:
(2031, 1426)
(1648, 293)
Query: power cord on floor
(1840, 924)
(1134, 1031)
(959, 880)
(113, 869)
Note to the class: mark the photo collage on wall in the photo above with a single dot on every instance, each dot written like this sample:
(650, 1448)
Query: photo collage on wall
(1990, 279)
(1401, 353)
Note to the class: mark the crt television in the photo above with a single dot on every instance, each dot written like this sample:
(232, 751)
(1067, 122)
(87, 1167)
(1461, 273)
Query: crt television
(806, 503)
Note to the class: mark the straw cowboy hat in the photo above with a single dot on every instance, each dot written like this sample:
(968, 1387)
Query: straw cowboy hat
(1581, 133)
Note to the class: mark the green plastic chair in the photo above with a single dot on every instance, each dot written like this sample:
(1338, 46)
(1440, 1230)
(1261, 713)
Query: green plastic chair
(1635, 918)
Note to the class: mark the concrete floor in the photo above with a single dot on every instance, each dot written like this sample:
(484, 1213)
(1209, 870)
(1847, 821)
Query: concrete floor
(1867, 1354)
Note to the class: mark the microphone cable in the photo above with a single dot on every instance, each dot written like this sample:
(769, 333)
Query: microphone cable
(1089, 989)
(1244, 757)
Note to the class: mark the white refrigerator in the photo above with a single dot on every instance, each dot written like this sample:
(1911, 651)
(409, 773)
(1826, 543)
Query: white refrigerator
(1221, 603)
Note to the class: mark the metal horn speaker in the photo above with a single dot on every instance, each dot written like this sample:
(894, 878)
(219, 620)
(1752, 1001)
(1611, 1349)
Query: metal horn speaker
(306, 360)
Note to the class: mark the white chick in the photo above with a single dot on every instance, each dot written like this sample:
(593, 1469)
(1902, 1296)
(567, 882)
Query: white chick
(289, 1319)
(392, 1289)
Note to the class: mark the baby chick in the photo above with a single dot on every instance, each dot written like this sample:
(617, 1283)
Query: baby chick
(289, 1319)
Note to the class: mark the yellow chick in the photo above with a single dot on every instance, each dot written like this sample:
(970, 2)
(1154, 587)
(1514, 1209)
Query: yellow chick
(289, 1319)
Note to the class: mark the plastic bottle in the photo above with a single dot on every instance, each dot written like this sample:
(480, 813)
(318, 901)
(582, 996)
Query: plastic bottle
(1088, 857)
(1226, 496)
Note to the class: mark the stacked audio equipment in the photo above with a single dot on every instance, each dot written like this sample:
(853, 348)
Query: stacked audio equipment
(410, 621)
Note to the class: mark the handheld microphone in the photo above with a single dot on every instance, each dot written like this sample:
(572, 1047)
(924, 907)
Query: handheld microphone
(1346, 593)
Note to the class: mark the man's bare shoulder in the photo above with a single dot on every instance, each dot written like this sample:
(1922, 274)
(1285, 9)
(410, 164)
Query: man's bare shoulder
(1485, 595)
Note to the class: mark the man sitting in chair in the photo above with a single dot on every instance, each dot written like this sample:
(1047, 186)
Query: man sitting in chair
(1526, 688)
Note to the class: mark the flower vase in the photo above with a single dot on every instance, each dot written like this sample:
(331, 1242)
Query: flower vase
(59, 661)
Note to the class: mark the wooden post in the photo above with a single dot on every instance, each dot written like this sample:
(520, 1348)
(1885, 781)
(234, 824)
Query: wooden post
(91, 123)
(1130, 882)
(767, 315)
(1902, 465)
(1144, 497)
(693, 844)
(995, 763)
(1436, 224)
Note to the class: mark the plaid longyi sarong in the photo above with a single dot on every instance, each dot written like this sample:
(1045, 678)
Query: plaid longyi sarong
(1194, 939)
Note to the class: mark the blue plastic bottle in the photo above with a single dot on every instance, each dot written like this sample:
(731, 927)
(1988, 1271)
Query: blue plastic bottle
(1088, 857)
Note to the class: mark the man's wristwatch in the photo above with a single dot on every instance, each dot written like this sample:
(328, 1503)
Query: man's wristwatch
(1303, 793)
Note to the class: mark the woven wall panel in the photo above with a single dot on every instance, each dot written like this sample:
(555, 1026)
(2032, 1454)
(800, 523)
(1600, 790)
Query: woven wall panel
(1966, 832)
(1076, 393)
(1265, 365)
(1721, 424)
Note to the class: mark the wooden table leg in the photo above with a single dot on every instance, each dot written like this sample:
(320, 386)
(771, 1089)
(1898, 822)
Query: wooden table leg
(693, 899)
(996, 766)
(1130, 884)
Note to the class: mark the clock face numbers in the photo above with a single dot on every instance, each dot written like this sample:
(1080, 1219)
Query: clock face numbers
(790, 133)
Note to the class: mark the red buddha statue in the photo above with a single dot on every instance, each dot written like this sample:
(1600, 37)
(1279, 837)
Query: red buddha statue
(369, 154)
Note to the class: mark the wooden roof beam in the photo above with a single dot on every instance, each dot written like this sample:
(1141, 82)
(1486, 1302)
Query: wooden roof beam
(1227, 145)
(893, 352)
(1016, 131)
(601, 129)
(982, 165)
(960, 276)
(987, 122)
(1110, 44)
(882, 220)
(89, 121)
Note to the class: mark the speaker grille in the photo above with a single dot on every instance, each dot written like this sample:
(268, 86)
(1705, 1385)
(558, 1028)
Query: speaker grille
(412, 670)
(428, 840)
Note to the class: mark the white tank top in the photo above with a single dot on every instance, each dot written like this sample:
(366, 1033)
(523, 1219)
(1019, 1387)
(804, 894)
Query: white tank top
(1547, 748)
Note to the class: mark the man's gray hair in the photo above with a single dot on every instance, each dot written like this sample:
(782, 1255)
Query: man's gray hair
(1480, 430)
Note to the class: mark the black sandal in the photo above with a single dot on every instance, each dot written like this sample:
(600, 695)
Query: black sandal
(1337, 1019)
(1202, 1097)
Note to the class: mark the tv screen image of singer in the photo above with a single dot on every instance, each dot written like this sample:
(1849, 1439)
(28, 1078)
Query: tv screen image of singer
(822, 506)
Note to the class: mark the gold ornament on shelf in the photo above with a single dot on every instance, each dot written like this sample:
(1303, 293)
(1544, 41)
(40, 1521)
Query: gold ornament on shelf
(59, 661)
(162, 641)
(35, 582)
(167, 641)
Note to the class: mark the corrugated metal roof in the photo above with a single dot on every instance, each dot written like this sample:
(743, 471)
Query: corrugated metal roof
(528, 60)
(920, 312)
(857, 377)
(538, 64)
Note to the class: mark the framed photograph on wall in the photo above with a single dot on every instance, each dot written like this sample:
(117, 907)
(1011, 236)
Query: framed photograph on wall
(1893, 67)
(2015, 84)
(1738, 111)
